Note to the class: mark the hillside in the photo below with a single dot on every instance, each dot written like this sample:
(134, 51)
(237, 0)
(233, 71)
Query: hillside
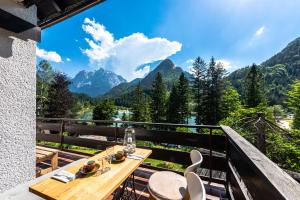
(170, 73)
(95, 83)
(279, 72)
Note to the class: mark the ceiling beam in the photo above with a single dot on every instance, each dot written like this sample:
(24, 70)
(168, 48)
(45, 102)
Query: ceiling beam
(54, 4)
(13, 23)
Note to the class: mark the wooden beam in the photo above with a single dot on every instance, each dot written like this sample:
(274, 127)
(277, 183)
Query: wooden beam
(13, 23)
(262, 178)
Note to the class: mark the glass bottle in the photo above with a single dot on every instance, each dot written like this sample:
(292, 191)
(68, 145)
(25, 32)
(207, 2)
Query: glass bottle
(129, 141)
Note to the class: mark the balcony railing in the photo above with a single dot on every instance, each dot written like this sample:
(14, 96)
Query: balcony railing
(249, 173)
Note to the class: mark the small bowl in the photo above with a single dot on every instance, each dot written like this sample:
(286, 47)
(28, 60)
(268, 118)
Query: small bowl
(89, 167)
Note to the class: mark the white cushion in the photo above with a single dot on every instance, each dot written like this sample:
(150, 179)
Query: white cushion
(167, 185)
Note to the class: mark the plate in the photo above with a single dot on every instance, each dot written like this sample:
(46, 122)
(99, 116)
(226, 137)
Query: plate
(97, 166)
(115, 160)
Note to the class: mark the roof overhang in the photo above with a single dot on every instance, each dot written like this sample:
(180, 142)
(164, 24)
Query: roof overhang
(50, 12)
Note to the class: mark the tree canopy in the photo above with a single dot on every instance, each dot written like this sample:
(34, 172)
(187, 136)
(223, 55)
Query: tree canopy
(294, 103)
(253, 88)
(159, 99)
(104, 110)
(141, 106)
(60, 98)
(44, 77)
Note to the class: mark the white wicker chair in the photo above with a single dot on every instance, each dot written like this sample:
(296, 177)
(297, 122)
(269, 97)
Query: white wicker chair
(166, 185)
(195, 187)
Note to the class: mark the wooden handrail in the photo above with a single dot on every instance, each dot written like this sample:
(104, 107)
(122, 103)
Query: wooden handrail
(254, 176)
(131, 122)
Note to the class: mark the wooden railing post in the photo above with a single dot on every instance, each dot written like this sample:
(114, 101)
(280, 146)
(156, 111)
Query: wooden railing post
(210, 155)
(116, 132)
(227, 163)
(62, 130)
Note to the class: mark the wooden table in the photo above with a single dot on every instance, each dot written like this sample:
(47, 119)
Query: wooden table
(92, 187)
(43, 153)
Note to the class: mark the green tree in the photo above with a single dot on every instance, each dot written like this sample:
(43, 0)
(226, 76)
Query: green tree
(159, 99)
(44, 77)
(179, 100)
(125, 117)
(60, 98)
(253, 88)
(294, 103)
(141, 106)
(183, 99)
(199, 74)
(104, 110)
(230, 102)
(173, 106)
(212, 93)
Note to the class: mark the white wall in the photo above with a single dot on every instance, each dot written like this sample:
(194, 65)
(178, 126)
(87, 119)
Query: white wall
(17, 102)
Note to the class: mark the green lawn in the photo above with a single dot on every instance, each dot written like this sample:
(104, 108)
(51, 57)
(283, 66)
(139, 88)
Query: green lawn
(153, 162)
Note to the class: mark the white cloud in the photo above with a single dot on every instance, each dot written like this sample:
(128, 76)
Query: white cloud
(68, 59)
(226, 64)
(188, 65)
(260, 31)
(48, 55)
(141, 73)
(257, 35)
(125, 55)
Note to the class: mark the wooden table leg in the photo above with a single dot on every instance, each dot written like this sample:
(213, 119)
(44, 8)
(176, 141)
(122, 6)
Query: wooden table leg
(54, 161)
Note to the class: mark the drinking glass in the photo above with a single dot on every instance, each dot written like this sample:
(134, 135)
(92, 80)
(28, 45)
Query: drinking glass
(109, 153)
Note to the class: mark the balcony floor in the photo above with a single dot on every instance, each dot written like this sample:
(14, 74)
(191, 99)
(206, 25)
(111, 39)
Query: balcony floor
(214, 191)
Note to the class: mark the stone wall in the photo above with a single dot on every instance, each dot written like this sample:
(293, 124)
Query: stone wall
(17, 101)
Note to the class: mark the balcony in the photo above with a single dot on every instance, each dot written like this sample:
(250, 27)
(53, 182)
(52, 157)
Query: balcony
(232, 167)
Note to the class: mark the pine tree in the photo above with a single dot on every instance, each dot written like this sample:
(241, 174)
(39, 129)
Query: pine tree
(173, 106)
(141, 106)
(159, 99)
(253, 88)
(183, 99)
(199, 75)
(213, 90)
(60, 98)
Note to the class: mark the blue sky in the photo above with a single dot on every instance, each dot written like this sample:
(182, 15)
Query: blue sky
(126, 36)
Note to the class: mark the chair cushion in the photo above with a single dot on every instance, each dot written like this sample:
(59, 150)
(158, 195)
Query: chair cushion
(167, 185)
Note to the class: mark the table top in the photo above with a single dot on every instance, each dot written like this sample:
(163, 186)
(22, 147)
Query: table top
(90, 187)
(43, 153)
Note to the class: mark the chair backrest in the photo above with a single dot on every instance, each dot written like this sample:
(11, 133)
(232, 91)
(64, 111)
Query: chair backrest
(196, 158)
(195, 187)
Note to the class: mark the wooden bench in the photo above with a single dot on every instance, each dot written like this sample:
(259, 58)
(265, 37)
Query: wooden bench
(43, 154)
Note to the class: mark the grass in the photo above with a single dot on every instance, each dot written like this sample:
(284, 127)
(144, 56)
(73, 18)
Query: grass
(79, 149)
(153, 162)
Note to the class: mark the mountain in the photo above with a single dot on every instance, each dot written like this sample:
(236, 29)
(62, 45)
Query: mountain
(95, 83)
(279, 72)
(170, 73)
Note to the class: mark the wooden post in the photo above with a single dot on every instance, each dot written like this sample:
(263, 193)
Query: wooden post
(116, 132)
(227, 163)
(54, 161)
(261, 135)
(62, 130)
(210, 155)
